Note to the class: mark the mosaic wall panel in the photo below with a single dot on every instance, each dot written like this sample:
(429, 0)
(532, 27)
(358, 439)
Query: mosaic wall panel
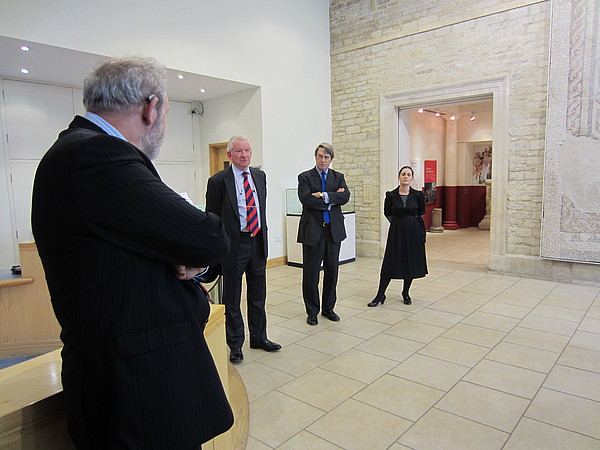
(571, 222)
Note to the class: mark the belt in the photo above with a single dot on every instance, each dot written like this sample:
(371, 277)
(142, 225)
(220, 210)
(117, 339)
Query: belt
(247, 234)
(326, 224)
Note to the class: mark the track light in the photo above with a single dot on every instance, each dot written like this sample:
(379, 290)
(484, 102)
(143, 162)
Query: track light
(472, 117)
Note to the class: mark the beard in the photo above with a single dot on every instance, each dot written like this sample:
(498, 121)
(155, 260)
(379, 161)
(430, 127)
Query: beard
(152, 140)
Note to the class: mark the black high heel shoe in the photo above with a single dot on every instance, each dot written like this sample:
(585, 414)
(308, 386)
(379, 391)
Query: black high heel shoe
(376, 301)
(407, 300)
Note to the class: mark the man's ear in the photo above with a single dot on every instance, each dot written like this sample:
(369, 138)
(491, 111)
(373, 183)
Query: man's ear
(150, 111)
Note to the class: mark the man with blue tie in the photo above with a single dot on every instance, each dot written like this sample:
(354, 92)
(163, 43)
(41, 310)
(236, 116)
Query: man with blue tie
(238, 194)
(322, 192)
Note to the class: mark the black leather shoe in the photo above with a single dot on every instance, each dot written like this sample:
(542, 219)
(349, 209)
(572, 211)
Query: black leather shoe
(407, 300)
(376, 301)
(331, 315)
(312, 320)
(267, 345)
(236, 355)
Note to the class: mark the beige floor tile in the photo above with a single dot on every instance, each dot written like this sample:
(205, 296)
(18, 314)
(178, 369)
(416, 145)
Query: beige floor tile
(287, 309)
(487, 406)
(568, 301)
(330, 342)
(298, 324)
(584, 339)
(260, 379)
(384, 314)
(437, 318)
(590, 325)
(574, 381)
(454, 306)
(439, 286)
(502, 377)
(283, 335)
(355, 425)
(361, 328)
(361, 366)
(255, 444)
(558, 312)
(322, 388)
(295, 359)
(454, 351)
(537, 339)
(549, 324)
(505, 309)
(474, 335)
(276, 417)
(593, 312)
(399, 396)
(519, 289)
(416, 331)
(391, 347)
(580, 358)
(283, 282)
(493, 321)
(433, 372)
(305, 440)
(514, 298)
(441, 430)
(566, 411)
(469, 297)
(426, 295)
(522, 356)
(531, 434)
(277, 298)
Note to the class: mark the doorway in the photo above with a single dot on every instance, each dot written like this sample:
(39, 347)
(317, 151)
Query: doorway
(218, 157)
(396, 146)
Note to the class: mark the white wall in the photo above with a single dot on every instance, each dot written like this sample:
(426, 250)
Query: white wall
(428, 141)
(281, 46)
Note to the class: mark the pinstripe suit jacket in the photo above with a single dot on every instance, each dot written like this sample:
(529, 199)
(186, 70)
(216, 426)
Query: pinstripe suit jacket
(137, 372)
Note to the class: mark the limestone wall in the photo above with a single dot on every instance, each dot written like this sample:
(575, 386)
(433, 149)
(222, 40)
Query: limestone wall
(386, 47)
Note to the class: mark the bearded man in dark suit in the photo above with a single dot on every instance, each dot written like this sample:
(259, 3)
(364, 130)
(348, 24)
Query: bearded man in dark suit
(322, 192)
(238, 194)
(119, 249)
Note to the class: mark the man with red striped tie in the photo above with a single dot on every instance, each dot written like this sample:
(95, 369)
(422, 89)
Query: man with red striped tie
(238, 194)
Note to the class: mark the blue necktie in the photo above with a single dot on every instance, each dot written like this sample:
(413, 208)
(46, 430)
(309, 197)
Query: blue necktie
(325, 213)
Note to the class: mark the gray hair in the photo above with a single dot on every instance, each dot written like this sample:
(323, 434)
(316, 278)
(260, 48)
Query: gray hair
(119, 85)
(235, 138)
(325, 146)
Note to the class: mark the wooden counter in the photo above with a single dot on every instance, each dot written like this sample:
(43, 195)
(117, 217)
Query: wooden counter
(31, 406)
(27, 322)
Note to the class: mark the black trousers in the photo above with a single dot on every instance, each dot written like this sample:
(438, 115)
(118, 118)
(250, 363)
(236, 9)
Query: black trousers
(250, 260)
(327, 252)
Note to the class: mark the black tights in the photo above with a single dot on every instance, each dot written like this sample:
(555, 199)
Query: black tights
(384, 283)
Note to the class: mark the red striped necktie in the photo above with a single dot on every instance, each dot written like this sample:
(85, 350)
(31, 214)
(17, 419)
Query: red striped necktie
(251, 213)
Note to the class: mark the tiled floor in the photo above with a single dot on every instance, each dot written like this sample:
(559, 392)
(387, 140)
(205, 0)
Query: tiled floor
(478, 361)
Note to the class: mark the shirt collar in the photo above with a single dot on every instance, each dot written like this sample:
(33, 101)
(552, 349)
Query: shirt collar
(103, 124)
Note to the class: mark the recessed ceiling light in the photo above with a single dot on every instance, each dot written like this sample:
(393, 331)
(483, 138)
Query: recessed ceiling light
(203, 90)
(180, 77)
(24, 70)
(24, 48)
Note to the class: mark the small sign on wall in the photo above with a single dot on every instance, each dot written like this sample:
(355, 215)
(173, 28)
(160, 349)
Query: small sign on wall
(430, 175)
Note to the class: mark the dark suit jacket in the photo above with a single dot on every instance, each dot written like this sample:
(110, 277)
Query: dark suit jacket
(221, 199)
(311, 222)
(136, 368)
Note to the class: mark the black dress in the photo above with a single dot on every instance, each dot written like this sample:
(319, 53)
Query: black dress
(405, 248)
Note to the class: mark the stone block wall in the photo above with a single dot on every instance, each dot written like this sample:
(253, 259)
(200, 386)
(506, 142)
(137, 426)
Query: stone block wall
(383, 47)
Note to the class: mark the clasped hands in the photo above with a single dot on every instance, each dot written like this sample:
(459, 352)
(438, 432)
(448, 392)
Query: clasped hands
(187, 273)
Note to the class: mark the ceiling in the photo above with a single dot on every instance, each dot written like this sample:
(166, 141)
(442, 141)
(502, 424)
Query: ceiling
(61, 66)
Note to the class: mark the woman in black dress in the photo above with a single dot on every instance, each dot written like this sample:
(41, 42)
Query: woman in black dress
(405, 248)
